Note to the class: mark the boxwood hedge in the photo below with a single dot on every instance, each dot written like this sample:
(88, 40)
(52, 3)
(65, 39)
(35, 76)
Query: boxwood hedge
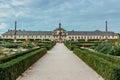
(70, 45)
(15, 67)
(112, 59)
(49, 45)
(107, 69)
(10, 57)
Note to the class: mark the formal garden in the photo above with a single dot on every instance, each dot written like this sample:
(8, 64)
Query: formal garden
(16, 57)
(102, 55)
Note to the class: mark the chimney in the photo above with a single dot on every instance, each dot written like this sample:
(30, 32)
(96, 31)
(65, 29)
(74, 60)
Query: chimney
(15, 31)
(106, 26)
(106, 30)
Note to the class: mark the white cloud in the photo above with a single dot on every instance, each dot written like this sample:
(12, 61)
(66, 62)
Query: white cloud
(3, 26)
(70, 12)
(21, 13)
(3, 14)
(17, 3)
(4, 5)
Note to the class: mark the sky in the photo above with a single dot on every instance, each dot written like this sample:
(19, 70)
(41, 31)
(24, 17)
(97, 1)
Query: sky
(80, 15)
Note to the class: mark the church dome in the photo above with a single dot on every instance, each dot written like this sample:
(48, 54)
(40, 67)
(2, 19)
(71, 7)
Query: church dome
(59, 29)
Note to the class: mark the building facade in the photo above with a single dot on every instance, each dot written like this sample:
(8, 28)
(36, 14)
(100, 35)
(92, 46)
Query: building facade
(59, 35)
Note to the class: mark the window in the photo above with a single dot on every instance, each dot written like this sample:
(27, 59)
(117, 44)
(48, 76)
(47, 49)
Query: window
(85, 37)
(81, 37)
(90, 37)
(96, 37)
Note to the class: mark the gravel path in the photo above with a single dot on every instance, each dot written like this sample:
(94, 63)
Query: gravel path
(60, 64)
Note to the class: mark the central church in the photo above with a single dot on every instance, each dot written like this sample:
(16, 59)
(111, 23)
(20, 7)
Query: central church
(59, 34)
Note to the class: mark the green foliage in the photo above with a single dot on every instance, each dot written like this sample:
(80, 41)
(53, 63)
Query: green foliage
(110, 58)
(12, 45)
(72, 44)
(111, 48)
(109, 70)
(49, 45)
(10, 57)
(68, 45)
(27, 46)
(15, 67)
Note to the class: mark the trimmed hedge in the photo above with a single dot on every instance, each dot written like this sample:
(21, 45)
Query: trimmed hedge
(11, 46)
(102, 66)
(15, 67)
(111, 48)
(71, 46)
(49, 45)
(10, 57)
(67, 44)
(112, 59)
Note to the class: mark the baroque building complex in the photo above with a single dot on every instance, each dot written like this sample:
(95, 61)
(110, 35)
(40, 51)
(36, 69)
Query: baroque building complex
(60, 34)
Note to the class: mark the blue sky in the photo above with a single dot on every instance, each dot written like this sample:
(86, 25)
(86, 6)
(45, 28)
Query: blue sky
(83, 15)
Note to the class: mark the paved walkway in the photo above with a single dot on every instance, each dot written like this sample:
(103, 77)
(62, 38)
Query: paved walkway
(60, 64)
